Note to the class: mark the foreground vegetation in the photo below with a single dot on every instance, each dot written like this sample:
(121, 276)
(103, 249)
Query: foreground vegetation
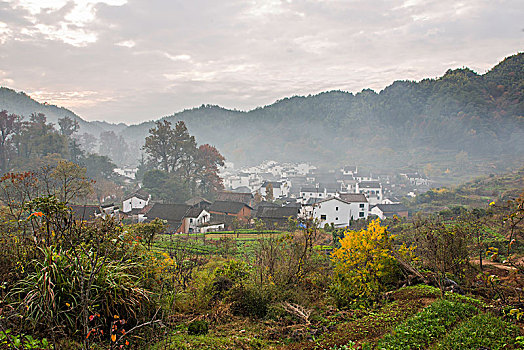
(67, 284)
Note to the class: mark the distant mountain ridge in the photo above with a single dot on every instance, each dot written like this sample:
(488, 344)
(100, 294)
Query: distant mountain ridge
(405, 125)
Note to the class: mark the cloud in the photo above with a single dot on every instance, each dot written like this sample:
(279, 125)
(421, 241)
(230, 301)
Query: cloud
(146, 59)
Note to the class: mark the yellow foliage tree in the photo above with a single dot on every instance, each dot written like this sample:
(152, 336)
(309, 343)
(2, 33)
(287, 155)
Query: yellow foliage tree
(364, 265)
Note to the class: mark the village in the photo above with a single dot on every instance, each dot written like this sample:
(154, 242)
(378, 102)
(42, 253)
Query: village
(273, 193)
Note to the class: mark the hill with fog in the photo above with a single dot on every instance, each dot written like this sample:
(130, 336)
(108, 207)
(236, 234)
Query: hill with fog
(460, 120)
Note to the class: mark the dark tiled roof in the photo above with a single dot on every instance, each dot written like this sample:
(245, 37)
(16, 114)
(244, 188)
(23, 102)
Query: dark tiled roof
(228, 207)
(391, 208)
(234, 197)
(242, 189)
(351, 168)
(312, 189)
(140, 194)
(369, 184)
(197, 200)
(194, 212)
(275, 184)
(276, 212)
(170, 212)
(84, 212)
(312, 200)
(135, 211)
(353, 197)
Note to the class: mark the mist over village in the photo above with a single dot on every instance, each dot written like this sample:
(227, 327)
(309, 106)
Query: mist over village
(266, 174)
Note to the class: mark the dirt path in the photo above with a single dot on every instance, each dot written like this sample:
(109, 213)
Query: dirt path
(494, 264)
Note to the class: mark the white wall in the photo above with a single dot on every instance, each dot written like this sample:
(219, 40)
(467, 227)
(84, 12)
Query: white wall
(133, 203)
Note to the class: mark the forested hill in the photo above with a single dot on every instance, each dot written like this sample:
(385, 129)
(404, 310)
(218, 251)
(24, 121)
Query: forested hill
(459, 120)
(21, 104)
(409, 123)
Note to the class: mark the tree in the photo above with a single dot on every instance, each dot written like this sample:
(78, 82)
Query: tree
(269, 192)
(87, 142)
(175, 152)
(113, 146)
(9, 124)
(160, 144)
(98, 166)
(209, 159)
(166, 186)
(68, 126)
(364, 264)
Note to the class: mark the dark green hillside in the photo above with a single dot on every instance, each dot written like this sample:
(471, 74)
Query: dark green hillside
(21, 104)
(478, 193)
(407, 124)
(457, 126)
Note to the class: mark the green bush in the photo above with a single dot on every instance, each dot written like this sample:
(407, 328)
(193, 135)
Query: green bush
(198, 328)
(250, 301)
(481, 331)
(425, 327)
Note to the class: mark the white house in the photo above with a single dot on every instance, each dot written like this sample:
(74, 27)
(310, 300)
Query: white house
(416, 179)
(359, 204)
(137, 200)
(194, 219)
(280, 188)
(337, 211)
(349, 170)
(389, 210)
(312, 192)
(372, 190)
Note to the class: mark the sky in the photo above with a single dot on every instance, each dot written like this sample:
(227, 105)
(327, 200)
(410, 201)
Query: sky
(131, 61)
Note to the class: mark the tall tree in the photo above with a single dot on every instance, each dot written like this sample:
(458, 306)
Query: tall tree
(159, 145)
(113, 146)
(68, 126)
(9, 124)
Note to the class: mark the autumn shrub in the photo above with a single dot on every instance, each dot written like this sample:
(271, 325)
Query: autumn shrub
(364, 265)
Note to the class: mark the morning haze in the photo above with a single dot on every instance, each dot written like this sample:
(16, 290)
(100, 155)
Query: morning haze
(261, 174)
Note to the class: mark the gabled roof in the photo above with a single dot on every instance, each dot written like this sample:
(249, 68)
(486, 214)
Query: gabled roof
(369, 184)
(312, 189)
(331, 187)
(84, 212)
(353, 197)
(391, 208)
(228, 207)
(312, 200)
(275, 184)
(197, 200)
(352, 168)
(194, 212)
(140, 194)
(241, 189)
(170, 212)
(277, 212)
(234, 197)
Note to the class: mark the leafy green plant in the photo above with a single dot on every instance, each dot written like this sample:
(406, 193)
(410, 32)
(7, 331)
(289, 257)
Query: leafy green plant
(198, 328)
(21, 341)
(481, 331)
(422, 329)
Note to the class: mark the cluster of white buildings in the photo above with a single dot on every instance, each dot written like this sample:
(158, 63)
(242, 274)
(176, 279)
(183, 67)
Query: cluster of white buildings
(334, 197)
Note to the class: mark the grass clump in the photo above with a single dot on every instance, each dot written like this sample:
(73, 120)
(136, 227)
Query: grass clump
(481, 331)
(425, 327)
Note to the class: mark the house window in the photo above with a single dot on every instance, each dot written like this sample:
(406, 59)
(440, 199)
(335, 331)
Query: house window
(191, 220)
(336, 209)
(361, 214)
(323, 217)
(362, 205)
(320, 194)
(336, 219)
